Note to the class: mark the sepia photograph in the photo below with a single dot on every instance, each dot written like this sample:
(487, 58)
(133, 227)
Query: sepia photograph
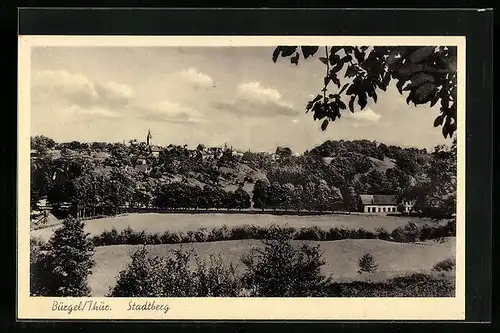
(241, 170)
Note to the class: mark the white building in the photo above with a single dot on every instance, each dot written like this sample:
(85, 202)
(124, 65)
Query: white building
(382, 203)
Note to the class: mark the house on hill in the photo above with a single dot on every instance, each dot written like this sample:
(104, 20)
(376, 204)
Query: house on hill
(382, 203)
(378, 203)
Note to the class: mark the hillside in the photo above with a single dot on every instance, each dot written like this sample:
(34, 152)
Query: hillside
(395, 259)
(104, 176)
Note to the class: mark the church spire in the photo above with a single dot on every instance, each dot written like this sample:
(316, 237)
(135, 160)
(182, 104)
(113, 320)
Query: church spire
(148, 138)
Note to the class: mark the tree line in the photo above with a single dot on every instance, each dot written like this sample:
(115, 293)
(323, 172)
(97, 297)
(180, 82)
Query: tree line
(97, 178)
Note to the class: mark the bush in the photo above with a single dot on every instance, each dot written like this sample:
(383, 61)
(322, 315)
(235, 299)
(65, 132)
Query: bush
(367, 264)
(217, 280)
(280, 269)
(382, 233)
(410, 233)
(445, 265)
(311, 233)
(415, 285)
(173, 276)
(63, 269)
(141, 278)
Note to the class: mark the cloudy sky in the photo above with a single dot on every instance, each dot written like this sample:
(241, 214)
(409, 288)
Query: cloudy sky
(210, 95)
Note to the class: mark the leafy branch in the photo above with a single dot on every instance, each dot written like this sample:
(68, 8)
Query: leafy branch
(427, 74)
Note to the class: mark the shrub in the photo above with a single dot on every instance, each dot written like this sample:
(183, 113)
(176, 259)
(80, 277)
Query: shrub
(311, 233)
(445, 265)
(173, 276)
(280, 269)
(415, 285)
(367, 264)
(382, 233)
(63, 269)
(410, 233)
(215, 279)
(244, 232)
(337, 234)
(141, 278)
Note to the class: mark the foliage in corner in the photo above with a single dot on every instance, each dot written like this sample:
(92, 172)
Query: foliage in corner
(428, 73)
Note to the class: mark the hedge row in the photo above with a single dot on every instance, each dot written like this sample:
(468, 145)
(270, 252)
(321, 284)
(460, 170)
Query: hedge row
(407, 234)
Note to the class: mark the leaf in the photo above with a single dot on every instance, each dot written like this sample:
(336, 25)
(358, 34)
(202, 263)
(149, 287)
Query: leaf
(346, 58)
(336, 81)
(434, 100)
(362, 101)
(374, 96)
(424, 91)
(342, 105)
(351, 103)
(421, 54)
(324, 125)
(323, 60)
(308, 51)
(295, 59)
(400, 85)
(439, 120)
(343, 88)
(445, 130)
(317, 98)
(360, 56)
(287, 51)
(276, 53)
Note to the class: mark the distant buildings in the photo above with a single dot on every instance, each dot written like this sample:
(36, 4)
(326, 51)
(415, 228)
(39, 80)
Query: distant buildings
(142, 163)
(381, 203)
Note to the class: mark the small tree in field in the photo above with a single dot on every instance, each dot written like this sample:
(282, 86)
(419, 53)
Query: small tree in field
(283, 269)
(367, 264)
(63, 270)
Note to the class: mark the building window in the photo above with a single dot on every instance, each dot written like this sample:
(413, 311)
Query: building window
(368, 209)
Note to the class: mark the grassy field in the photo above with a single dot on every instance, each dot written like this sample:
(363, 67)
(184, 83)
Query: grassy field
(157, 222)
(341, 257)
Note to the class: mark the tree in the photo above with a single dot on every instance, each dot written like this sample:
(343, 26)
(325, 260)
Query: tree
(282, 269)
(297, 198)
(428, 73)
(63, 270)
(141, 278)
(42, 143)
(435, 190)
(241, 199)
(367, 264)
(261, 193)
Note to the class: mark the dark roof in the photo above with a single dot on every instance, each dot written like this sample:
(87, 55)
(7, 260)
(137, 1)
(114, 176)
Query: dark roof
(378, 199)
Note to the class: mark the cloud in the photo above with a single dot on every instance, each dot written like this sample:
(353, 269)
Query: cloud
(197, 79)
(367, 115)
(79, 90)
(254, 100)
(170, 112)
(91, 112)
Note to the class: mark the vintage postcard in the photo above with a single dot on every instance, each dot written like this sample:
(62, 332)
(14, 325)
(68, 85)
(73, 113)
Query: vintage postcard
(267, 178)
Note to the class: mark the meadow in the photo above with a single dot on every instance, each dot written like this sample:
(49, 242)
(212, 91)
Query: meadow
(394, 259)
(341, 256)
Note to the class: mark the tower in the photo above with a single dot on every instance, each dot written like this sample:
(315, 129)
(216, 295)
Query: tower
(149, 138)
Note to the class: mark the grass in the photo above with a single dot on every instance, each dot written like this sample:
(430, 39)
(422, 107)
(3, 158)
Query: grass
(394, 259)
(174, 223)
